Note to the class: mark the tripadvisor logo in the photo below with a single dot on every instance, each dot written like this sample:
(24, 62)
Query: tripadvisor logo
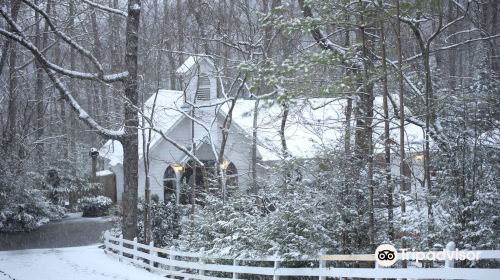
(386, 255)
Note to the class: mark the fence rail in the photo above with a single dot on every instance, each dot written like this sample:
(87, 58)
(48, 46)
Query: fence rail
(188, 265)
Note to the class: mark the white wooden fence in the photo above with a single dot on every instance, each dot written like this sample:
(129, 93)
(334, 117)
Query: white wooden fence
(189, 265)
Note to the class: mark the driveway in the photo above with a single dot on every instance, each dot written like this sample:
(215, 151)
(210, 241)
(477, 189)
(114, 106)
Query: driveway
(71, 231)
(75, 263)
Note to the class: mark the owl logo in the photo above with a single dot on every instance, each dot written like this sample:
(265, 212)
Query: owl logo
(385, 255)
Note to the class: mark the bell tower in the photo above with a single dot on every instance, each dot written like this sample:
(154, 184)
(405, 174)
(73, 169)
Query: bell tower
(199, 79)
(199, 76)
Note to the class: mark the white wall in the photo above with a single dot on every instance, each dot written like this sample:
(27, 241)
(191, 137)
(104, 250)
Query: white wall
(239, 151)
(206, 114)
(161, 156)
(118, 170)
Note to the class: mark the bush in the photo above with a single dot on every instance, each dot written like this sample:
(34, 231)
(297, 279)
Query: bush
(164, 222)
(28, 210)
(94, 206)
(23, 205)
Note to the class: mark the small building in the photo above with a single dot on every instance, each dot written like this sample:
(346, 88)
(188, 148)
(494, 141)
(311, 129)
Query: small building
(193, 119)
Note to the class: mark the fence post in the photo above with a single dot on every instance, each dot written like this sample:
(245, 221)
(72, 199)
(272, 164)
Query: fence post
(276, 266)
(322, 264)
(152, 253)
(236, 275)
(120, 244)
(377, 266)
(201, 271)
(134, 248)
(172, 257)
(447, 262)
(106, 240)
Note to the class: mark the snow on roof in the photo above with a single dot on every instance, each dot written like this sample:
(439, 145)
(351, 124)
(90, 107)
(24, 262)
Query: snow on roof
(113, 151)
(103, 173)
(167, 113)
(312, 125)
(190, 62)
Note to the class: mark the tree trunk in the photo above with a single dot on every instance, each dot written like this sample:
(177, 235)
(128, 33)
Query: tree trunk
(166, 40)
(368, 108)
(284, 148)
(40, 43)
(402, 185)
(74, 125)
(13, 83)
(130, 139)
(102, 99)
(255, 187)
(387, 147)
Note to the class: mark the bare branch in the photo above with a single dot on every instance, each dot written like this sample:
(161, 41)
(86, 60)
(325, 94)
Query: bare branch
(70, 73)
(82, 114)
(66, 38)
(106, 8)
(433, 132)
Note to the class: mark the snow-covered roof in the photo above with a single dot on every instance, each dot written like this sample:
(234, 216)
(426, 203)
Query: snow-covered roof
(190, 62)
(312, 124)
(113, 151)
(167, 113)
(103, 173)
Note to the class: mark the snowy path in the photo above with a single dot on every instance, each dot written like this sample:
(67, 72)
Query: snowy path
(76, 263)
(71, 231)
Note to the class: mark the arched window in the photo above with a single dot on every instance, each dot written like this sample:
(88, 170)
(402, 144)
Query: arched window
(169, 184)
(232, 175)
(203, 92)
(193, 183)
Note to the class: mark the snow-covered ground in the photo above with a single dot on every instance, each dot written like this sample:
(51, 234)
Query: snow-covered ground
(76, 263)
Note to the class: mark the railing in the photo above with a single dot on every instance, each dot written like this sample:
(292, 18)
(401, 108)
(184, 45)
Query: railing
(189, 265)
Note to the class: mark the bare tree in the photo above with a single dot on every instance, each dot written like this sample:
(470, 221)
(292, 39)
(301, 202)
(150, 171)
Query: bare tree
(128, 136)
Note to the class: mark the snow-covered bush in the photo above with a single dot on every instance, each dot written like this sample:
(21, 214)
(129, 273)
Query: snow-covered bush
(229, 229)
(164, 222)
(27, 211)
(94, 206)
(301, 222)
(23, 205)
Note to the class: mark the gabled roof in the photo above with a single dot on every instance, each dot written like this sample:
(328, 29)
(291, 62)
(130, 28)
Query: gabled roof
(167, 113)
(312, 125)
(191, 62)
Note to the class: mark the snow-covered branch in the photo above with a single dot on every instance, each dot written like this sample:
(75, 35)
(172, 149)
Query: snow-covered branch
(152, 127)
(174, 143)
(206, 128)
(106, 8)
(82, 114)
(435, 134)
(463, 43)
(448, 47)
(22, 39)
(66, 38)
(326, 43)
